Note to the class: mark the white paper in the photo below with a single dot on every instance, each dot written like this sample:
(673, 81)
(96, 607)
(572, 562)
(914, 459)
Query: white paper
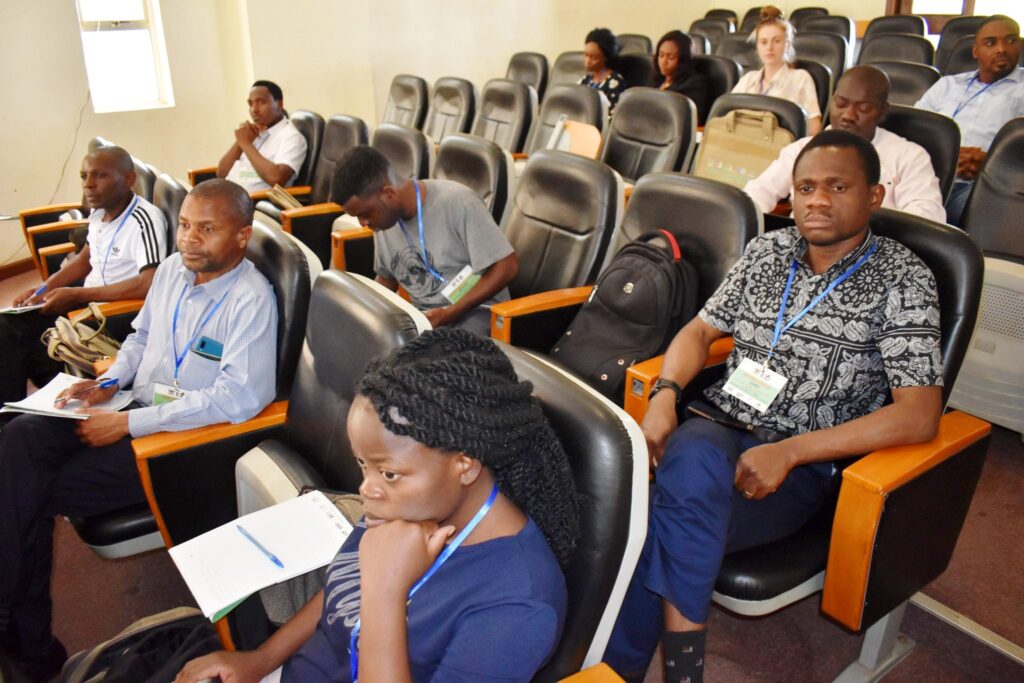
(17, 310)
(222, 567)
(41, 402)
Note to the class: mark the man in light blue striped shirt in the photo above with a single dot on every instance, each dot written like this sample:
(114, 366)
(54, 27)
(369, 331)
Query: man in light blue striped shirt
(203, 352)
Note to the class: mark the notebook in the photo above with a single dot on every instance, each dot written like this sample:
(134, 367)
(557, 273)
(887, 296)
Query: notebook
(41, 402)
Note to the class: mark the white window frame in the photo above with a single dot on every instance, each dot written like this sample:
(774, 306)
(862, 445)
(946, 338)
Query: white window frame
(153, 24)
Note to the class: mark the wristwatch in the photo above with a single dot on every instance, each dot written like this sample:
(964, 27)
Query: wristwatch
(663, 383)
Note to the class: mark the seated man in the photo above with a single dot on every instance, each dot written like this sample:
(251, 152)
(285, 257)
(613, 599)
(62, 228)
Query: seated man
(127, 239)
(448, 253)
(203, 352)
(980, 101)
(809, 382)
(860, 102)
(268, 150)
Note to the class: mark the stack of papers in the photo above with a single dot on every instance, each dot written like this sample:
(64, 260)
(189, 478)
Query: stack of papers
(41, 402)
(225, 566)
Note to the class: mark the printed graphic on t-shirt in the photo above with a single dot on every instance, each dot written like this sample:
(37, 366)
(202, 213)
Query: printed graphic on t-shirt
(408, 268)
(341, 589)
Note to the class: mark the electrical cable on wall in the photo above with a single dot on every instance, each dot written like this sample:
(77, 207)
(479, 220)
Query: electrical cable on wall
(78, 127)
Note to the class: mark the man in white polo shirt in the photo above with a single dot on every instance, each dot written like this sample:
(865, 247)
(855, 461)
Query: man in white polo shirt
(267, 150)
(127, 240)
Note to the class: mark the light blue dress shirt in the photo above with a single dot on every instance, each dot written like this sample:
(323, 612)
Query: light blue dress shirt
(980, 109)
(232, 389)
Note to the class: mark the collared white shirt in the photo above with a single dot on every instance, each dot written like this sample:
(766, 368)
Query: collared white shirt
(795, 85)
(282, 143)
(980, 109)
(121, 247)
(232, 389)
(906, 174)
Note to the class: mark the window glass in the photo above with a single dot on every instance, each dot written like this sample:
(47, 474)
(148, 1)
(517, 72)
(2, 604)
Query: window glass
(111, 10)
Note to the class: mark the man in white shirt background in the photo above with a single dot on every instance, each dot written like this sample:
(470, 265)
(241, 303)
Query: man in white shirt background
(858, 105)
(268, 150)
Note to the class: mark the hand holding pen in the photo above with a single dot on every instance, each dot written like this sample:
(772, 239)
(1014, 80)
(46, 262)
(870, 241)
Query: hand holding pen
(28, 297)
(89, 392)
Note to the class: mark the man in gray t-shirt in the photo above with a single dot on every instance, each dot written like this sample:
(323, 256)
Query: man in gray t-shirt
(435, 238)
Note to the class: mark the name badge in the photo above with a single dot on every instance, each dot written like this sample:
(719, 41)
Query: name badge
(754, 384)
(163, 393)
(245, 174)
(460, 284)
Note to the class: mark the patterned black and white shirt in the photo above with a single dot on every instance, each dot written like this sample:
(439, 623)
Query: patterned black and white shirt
(876, 331)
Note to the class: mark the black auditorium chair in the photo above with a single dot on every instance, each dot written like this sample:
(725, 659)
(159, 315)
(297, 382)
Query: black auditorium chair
(505, 112)
(409, 151)
(576, 102)
(637, 69)
(722, 74)
(701, 45)
(828, 49)
(134, 529)
(904, 47)
(750, 20)
(937, 133)
(635, 44)
(955, 29)
(836, 25)
(801, 14)
(823, 82)
(451, 110)
(712, 29)
(898, 23)
(738, 48)
(480, 165)
(567, 69)
(311, 126)
(908, 80)
(407, 101)
(961, 57)
(145, 179)
(993, 211)
(726, 14)
(652, 131)
(531, 68)
(790, 115)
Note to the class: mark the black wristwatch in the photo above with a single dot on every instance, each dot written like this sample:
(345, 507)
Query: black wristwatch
(666, 384)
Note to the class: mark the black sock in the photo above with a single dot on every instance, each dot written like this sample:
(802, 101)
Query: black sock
(684, 656)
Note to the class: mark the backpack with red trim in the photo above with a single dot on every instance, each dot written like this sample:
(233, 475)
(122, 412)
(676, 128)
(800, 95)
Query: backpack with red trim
(639, 303)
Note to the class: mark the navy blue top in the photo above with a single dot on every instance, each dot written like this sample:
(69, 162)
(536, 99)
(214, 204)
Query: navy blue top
(492, 612)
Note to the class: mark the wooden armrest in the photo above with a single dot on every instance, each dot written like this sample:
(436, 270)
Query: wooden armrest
(54, 250)
(641, 377)
(599, 673)
(205, 170)
(627, 192)
(862, 500)
(517, 156)
(111, 308)
(338, 240)
(102, 365)
(162, 443)
(312, 210)
(504, 312)
(53, 208)
(783, 208)
(299, 190)
(258, 195)
(56, 226)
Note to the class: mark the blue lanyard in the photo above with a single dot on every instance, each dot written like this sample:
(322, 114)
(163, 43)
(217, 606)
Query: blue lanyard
(423, 242)
(180, 358)
(963, 104)
(781, 329)
(441, 559)
(110, 245)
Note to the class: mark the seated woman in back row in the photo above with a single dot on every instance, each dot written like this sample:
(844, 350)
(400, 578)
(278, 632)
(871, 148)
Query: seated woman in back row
(774, 37)
(675, 70)
(456, 456)
(600, 50)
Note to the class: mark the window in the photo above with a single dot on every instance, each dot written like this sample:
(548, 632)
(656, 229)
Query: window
(938, 12)
(125, 55)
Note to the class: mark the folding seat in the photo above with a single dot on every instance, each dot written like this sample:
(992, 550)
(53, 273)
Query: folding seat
(898, 23)
(790, 115)
(907, 80)
(829, 49)
(407, 101)
(651, 131)
(738, 48)
(903, 47)
(960, 58)
(567, 69)
(750, 21)
(937, 133)
(837, 25)
(531, 68)
(480, 165)
(722, 73)
(507, 109)
(824, 84)
(576, 103)
(726, 14)
(991, 382)
(955, 29)
(800, 14)
(636, 69)
(899, 511)
(452, 107)
(712, 29)
(635, 44)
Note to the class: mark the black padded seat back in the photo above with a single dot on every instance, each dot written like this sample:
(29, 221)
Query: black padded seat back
(701, 45)
(711, 221)
(937, 133)
(577, 102)
(738, 48)
(822, 77)
(722, 74)
(406, 148)
(505, 113)
(567, 69)
(908, 81)
(601, 450)
(789, 114)
(651, 131)
(341, 133)
(897, 23)
(961, 57)
(833, 23)
(994, 210)
(565, 209)
(407, 101)
(100, 141)
(798, 16)
(727, 14)
(955, 29)
(478, 164)
(452, 107)
(713, 29)
(284, 264)
(636, 69)
(311, 126)
(350, 323)
(145, 179)
(531, 68)
(903, 47)
(168, 196)
(958, 266)
(825, 48)
(750, 20)
(635, 44)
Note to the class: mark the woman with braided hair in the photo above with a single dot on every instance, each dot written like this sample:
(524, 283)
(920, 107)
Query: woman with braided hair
(470, 509)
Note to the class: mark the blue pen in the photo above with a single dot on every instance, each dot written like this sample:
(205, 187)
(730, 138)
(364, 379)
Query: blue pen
(36, 294)
(263, 549)
(104, 384)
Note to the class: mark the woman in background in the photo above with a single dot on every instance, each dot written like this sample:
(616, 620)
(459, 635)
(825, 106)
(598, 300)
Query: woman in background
(600, 50)
(675, 71)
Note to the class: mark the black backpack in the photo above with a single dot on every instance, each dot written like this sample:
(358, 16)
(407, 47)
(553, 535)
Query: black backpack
(644, 296)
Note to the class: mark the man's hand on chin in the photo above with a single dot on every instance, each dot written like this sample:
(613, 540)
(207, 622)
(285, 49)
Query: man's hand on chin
(103, 428)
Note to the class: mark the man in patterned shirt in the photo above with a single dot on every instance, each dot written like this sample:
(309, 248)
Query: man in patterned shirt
(836, 354)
